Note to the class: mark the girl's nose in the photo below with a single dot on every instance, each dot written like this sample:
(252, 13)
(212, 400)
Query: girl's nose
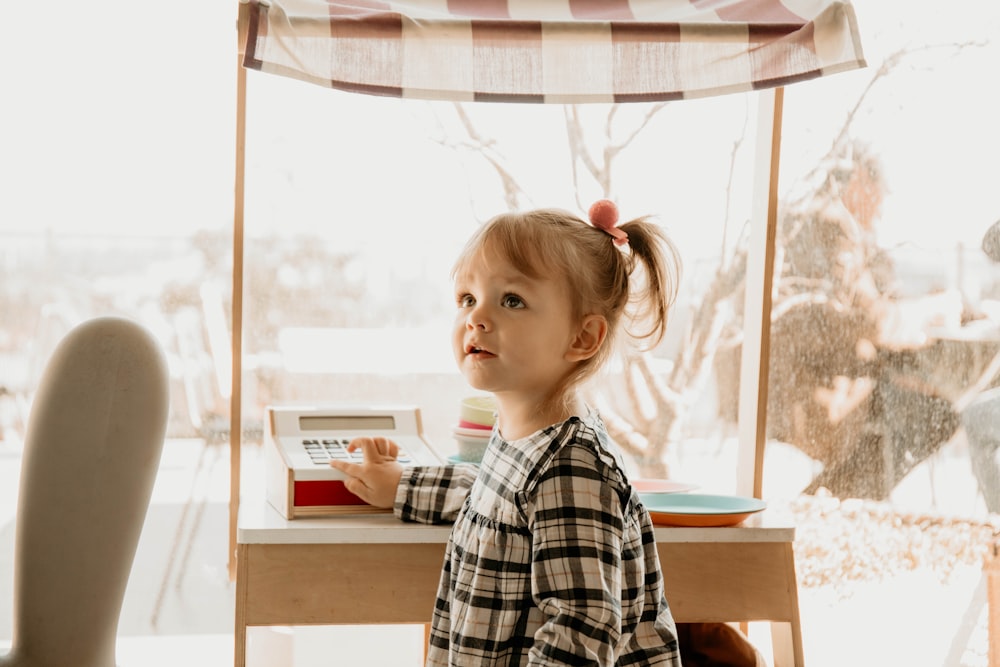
(478, 318)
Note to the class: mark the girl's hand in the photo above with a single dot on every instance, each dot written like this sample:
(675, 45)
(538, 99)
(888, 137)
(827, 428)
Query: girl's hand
(375, 480)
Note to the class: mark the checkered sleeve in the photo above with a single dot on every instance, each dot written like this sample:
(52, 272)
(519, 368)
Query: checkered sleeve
(433, 494)
(577, 526)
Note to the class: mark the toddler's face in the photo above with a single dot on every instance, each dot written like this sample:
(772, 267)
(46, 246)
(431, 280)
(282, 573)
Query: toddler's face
(511, 331)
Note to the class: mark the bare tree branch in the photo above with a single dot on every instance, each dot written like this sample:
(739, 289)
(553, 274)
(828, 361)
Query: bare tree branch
(732, 177)
(579, 153)
(891, 62)
(613, 149)
(486, 148)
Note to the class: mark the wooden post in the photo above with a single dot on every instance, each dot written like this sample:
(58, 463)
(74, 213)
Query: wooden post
(236, 395)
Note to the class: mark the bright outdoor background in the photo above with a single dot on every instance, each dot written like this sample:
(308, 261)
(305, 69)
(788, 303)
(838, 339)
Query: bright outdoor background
(116, 197)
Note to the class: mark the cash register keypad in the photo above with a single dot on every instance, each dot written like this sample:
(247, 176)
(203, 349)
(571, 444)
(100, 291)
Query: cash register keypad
(323, 450)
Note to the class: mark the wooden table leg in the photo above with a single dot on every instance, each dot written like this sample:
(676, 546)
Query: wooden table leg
(786, 638)
(786, 643)
(240, 631)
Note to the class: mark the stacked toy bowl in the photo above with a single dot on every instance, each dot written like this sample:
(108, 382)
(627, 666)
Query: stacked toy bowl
(476, 417)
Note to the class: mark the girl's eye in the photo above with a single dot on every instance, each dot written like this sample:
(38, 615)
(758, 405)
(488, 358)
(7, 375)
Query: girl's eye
(512, 301)
(466, 301)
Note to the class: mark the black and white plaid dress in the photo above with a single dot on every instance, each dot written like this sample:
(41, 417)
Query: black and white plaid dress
(552, 559)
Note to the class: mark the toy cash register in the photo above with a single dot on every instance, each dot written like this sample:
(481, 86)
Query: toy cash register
(300, 442)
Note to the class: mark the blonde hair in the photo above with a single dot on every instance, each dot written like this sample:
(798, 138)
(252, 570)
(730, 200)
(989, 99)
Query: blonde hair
(631, 286)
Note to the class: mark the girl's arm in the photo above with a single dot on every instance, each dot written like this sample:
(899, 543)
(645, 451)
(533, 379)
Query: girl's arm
(577, 526)
(426, 494)
(595, 572)
(433, 494)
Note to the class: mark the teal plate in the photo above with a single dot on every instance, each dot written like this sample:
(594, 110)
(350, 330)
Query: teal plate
(698, 509)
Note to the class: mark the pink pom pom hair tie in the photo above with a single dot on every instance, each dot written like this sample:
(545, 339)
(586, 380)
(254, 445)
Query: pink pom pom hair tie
(603, 214)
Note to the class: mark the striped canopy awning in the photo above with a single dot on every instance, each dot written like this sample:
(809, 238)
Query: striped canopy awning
(561, 51)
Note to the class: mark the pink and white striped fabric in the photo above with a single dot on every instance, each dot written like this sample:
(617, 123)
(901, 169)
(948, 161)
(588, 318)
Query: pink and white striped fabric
(561, 51)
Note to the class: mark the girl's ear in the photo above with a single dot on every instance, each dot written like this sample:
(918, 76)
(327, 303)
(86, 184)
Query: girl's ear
(591, 334)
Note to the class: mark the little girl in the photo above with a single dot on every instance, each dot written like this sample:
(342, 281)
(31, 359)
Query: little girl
(552, 558)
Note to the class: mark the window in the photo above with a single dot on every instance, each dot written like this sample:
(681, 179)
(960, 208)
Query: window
(353, 226)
